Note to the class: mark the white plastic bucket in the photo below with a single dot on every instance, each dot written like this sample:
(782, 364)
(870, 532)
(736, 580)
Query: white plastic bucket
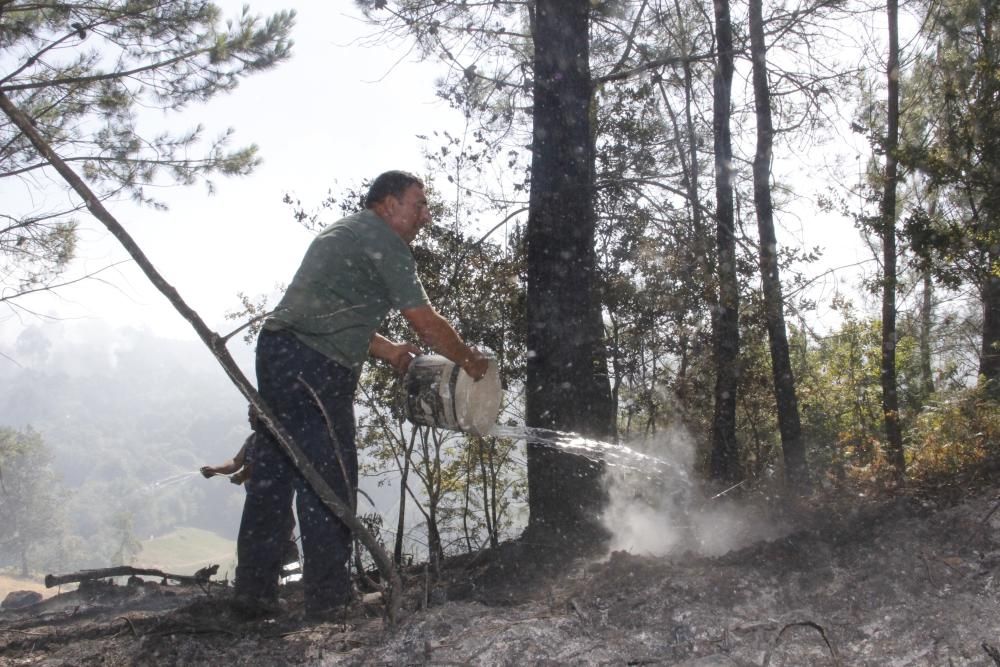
(439, 393)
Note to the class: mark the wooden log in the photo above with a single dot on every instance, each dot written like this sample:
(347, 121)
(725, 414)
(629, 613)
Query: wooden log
(200, 577)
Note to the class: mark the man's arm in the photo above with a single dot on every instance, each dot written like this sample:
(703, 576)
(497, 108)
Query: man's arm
(438, 333)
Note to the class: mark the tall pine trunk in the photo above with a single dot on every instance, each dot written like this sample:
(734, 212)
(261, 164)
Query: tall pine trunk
(793, 449)
(567, 384)
(725, 459)
(989, 362)
(890, 396)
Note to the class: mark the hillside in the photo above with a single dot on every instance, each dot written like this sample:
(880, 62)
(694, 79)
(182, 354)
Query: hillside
(904, 580)
(185, 550)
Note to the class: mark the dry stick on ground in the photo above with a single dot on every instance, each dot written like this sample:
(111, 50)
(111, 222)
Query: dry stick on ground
(992, 652)
(806, 624)
(217, 346)
(120, 571)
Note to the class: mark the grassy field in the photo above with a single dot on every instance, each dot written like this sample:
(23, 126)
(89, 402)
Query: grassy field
(185, 550)
(10, 583)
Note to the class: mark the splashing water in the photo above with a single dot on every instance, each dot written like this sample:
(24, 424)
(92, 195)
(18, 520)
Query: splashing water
(173, 480)
(612, 455)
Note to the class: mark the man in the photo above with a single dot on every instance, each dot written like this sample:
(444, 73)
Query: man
(310, 352)
(239, 468)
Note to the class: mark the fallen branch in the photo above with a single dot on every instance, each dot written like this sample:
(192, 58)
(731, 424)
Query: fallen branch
(992, 652)
(124, 571)
(990, 513)
(806, 624)
(131, 625)
(217, 345)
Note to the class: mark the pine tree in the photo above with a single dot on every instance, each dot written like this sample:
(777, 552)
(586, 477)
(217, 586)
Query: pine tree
(84, 73)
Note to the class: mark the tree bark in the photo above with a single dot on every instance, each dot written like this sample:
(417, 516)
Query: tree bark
(217, 345)
(890, 396)
(989, 361)
(926, 312)
(567, 384)
(793, 449)
(725, 459)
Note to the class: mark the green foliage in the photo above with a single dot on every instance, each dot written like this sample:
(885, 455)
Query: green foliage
(959, 432)
(952, 138)
(83, 72)
(32, 524)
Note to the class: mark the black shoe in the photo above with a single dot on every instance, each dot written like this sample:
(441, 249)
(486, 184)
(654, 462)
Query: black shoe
(252, 608)
(335, 615)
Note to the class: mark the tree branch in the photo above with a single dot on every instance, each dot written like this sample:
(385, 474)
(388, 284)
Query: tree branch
(651, 65)
(82, 80)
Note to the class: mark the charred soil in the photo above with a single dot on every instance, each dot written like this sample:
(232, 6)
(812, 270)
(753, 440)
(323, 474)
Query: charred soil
(903, 579)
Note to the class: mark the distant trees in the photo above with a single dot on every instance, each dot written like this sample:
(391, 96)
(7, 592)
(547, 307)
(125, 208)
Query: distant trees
(31, 522)
(133, 446)
(81, 72)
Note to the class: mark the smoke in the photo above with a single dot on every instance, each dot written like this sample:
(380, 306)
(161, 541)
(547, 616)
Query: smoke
(665, 511)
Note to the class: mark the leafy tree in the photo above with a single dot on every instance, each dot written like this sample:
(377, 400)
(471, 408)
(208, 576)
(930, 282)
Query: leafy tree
(954, 138)
(30, 499)
(83, 72)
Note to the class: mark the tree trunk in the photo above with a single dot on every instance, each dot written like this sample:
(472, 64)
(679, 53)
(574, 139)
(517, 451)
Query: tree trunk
(796, 472)
(926, 311)
(989, 362)
(404, 477)
(567, 378)
(725, 459)
(890, 397)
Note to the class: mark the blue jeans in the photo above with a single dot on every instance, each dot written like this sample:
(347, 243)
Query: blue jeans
(284, 366)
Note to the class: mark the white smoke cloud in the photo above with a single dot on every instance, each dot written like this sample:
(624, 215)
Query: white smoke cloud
(663, 511)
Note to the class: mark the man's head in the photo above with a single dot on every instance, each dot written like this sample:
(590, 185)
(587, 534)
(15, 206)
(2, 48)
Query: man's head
(398, 198)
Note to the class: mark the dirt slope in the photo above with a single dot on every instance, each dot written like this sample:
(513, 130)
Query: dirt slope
(908, 581)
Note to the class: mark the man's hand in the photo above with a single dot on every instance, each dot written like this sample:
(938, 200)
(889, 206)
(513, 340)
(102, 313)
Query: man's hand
(399, 355)
(402, 355)
(476, 364)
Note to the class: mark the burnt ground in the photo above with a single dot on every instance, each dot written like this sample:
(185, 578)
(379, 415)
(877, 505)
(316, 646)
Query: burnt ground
(906, 579)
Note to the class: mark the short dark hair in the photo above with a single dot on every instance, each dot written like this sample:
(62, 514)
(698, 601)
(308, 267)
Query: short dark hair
(390, 183)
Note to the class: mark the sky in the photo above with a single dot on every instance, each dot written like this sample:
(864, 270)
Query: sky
(340, 110)
(337, 112)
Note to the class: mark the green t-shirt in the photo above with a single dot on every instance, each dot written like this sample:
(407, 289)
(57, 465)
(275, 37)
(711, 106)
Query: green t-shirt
(353, 273)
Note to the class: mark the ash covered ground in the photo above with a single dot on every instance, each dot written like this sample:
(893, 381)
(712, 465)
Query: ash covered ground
(911, 578)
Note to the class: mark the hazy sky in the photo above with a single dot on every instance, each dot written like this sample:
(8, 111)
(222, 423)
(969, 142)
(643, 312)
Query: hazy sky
(335, 113)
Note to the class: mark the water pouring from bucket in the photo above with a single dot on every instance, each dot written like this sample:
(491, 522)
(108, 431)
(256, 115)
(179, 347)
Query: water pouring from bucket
(437, 392)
